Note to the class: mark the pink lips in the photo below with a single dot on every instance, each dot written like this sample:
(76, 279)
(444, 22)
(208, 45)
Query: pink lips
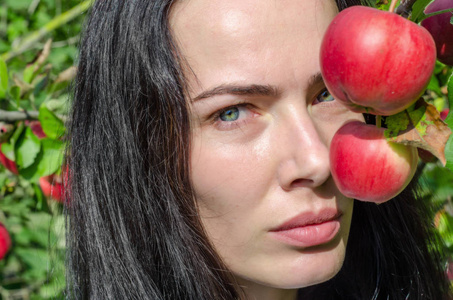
(309, 229)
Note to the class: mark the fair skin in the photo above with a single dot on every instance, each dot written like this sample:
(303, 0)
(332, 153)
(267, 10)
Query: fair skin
(262, 123)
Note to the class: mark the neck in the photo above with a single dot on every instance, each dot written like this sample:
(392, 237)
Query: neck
(259, 292)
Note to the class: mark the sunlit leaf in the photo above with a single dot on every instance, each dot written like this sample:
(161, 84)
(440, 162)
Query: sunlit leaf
(27, 148)
(423, 129)
(3, 79)
(52, 158)
(444, 224)
(417, 10)
(53, 127)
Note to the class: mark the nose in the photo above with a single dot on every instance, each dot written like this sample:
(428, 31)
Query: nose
(303, 155)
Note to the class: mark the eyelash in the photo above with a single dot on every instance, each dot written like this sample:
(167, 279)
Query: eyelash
(225, 125)
(328, 103)
(228, 125)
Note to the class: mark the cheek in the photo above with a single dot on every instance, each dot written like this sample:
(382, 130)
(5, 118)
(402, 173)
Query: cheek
(225, 176)
(228, 192)
(327, 123)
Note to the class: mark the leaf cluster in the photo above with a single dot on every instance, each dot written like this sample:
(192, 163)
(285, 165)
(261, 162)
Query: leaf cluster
(34, 81)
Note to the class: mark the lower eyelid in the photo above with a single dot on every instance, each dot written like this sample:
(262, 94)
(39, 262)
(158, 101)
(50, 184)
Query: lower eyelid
(333, 103)
(229, 125)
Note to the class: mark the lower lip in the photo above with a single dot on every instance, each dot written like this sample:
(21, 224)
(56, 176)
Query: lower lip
(310, 235)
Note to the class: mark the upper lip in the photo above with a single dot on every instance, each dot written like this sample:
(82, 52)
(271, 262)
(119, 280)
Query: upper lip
(310, 218)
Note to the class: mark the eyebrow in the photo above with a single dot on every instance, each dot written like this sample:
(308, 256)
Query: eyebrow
(315, 79)
(251, 90)
(241, 90)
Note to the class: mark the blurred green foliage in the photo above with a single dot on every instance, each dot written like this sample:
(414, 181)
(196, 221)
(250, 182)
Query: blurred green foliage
(38, 49)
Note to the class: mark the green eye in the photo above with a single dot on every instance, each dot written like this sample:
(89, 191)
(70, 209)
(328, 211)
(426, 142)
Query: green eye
(230, 114)
(324, 96)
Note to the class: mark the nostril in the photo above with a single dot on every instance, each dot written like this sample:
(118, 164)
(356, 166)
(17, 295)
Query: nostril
(301, 183)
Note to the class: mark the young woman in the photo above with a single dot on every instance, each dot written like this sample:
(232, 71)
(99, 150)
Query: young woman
(200, 133)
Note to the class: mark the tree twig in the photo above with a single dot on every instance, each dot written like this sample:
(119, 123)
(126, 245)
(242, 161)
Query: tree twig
(28, 41)
(33, 5)
(405, 8)
(12, 116)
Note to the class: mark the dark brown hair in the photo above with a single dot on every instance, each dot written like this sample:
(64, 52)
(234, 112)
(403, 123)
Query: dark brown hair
(132, 227)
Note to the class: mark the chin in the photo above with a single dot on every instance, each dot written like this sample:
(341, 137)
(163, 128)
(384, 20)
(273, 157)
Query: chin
(301, 268)
(313, 269)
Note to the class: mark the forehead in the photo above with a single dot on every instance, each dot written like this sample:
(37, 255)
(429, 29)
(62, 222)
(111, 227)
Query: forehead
(239, 38)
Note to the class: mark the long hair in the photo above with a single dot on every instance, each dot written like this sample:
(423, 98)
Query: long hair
(132, 226)
(133, 230)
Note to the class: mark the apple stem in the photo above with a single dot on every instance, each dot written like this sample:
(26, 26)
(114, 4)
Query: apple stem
(378, 121)
(392, 6)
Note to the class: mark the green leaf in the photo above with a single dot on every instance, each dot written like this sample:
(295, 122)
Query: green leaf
(439, 179)
(28, 73)
(400, 121)
(48, 161)
(449, 121)
(18, 4)
(385, 5)
(27, 148)
(31, 173)
(15, 92)
(449, 153)
(445, 228)
(417, 10)
(3, 178)
(36, 259)
(3, 78)
(53, 127)
(434, 85)
(451, 20)
(41, 203)
(8, 148)
(439, 68)
(39, 226)
(14, 208)
(52, 158)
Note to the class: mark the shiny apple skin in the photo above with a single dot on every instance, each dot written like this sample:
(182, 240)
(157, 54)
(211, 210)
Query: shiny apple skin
(441, 29)
(375, 61)
(5, 241)
(366, 167)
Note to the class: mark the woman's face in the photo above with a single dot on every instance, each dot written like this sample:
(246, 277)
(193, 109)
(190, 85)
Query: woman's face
(262, 123)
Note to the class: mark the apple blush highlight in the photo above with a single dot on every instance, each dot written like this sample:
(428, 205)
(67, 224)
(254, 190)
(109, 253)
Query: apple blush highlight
(367, 167)
(376, 61)
(5, 241)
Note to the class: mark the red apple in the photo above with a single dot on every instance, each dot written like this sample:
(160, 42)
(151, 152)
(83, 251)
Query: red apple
(376, 61)
(365, 166)
(5, 241)
(52, 186)
(444, 114)
(426, 156)
(9, 164)
(441, 29)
